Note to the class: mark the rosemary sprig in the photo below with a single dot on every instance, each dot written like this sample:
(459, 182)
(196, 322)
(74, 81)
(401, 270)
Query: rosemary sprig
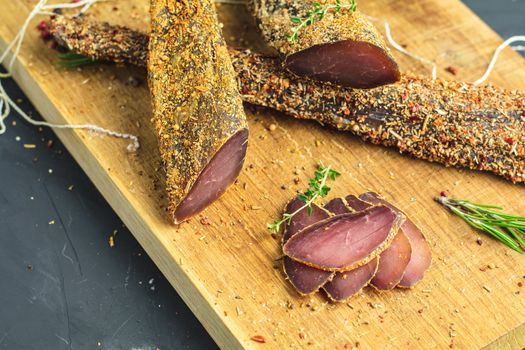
(317, 188)
(316, 13)
(507, 228)
(73, 60)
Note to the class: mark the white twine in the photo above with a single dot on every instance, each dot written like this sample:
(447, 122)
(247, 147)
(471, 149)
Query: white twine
(500, 48)
(401, 49)
(508, 42)
(6, 103)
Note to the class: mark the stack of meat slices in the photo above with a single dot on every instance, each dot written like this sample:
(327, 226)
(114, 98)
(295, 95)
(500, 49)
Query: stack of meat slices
(352, 242)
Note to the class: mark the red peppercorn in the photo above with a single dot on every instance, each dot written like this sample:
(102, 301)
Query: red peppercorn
(520, 284)
(42, 25)
(509, 140)
(258, 339)
(443, 194)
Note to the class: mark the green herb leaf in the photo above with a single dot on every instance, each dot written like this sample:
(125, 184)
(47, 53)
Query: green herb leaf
(316, 13)
(317, 188)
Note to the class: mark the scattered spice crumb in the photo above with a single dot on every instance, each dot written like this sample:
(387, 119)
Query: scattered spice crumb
(29, 145)
(50, 171)
(70, 188)
(50, 143)
(258, 339)
(487, 288)
(452, 70)
(111, 241)
(52, 222)
(520, 284)
(272, 127)
(205, 221)
(479, 241)
(255, 207)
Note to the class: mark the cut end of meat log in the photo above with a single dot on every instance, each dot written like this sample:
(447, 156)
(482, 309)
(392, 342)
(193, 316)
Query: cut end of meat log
(217, 176)
(349, 63)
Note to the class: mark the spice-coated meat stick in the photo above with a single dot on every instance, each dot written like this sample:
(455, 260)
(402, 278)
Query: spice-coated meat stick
(197, 109)
(449, 122)
(327, 41)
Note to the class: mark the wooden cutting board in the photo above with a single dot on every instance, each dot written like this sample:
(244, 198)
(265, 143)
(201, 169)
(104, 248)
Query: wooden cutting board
(223, 263)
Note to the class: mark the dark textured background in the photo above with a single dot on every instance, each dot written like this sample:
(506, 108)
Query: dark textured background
(61, 285)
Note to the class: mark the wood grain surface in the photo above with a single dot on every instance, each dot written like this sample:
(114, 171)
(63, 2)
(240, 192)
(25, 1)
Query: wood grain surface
(223, 262)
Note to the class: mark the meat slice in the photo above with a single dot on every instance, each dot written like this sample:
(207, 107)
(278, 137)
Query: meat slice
(301, 219)
(305, 279)
(346, 284)
(393, 263)
(420, 256)
(338, 206)
(356, 204)
(345, 242)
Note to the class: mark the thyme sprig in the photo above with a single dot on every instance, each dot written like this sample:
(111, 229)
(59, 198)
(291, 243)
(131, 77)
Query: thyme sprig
(316, 13)
(317, 188)
(507, 228)
(73, 60)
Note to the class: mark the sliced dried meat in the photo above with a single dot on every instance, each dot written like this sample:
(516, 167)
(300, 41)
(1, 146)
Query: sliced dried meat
(393, 263)
(356, 204)
(338, 206)
(302, 219)
(394, 260)
(346, 284)
(420, 257)
(305, 279)
(346, 241)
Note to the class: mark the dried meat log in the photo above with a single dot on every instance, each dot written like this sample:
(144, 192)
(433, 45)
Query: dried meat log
(197, 109)
(343, 48)
(453, 123)
(304, 278)
(345, 242)
(420, 254)
(100, 40)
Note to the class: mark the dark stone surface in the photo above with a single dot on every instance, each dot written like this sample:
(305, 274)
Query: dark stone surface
(63, 287)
